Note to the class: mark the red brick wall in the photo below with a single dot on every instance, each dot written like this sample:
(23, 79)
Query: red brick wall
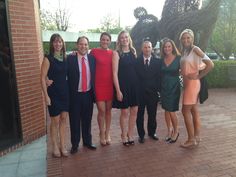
(27, 54)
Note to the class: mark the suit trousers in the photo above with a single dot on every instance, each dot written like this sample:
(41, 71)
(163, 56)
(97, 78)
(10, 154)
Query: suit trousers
(81, 112)
(149, 101)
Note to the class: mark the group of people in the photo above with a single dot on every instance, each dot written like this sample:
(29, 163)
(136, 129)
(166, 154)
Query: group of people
(121, 79)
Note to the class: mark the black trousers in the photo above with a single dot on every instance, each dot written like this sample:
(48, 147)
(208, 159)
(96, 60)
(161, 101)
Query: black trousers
(81, 112)
(148, 101)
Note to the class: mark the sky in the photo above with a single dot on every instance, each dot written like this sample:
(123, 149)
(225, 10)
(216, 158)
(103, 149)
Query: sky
(88, 14)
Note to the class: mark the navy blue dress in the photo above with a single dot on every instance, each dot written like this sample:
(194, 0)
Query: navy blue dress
(58, 91)
(128, 82)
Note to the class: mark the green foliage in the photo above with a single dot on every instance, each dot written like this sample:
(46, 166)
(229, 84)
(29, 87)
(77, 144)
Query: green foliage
(220, 76)
(57, 18)
(223, 40)
(71, 46)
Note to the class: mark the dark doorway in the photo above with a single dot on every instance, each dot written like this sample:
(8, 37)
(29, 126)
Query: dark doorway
(10, 129)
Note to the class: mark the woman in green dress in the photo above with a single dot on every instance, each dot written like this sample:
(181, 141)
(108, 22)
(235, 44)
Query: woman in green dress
(170, 87)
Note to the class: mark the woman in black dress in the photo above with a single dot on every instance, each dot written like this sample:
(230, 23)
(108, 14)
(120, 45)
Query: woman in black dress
(56, 95)
(126, 85)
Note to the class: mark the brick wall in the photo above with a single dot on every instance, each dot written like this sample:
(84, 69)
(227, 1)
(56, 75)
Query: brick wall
(27, 55)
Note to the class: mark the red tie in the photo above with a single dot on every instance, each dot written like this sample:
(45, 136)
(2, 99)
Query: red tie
(84, 76)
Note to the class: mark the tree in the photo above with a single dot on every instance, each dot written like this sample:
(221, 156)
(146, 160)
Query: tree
(47, 22)
(110, 24)
(223, 40)
(57, 20)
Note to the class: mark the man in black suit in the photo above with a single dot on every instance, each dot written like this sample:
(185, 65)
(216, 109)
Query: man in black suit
(81, 73)
(148, 69)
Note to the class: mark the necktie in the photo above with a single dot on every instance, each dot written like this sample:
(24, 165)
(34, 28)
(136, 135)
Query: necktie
(146, 63)
(84, 76)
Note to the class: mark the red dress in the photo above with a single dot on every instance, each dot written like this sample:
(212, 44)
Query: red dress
(103, 75)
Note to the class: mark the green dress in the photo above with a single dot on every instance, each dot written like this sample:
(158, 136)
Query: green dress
(170, 85)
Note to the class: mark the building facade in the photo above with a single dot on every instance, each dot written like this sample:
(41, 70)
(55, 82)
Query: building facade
(22, 108)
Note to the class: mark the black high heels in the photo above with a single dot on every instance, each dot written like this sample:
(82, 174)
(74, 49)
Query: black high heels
(174, 140)
(125, 142)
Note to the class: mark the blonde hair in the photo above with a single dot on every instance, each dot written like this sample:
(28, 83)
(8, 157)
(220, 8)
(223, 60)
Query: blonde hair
(187, 50)
(119, 47)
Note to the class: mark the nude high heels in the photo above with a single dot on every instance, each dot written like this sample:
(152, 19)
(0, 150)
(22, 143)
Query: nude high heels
(188, 144)
(102, 138)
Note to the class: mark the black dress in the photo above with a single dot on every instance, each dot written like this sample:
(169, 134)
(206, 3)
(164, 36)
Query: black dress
(128, 81)
(170, 85)
(58, 91)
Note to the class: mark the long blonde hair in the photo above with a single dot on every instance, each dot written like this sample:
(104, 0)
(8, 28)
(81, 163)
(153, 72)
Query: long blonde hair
(119, 47)
(186, 50)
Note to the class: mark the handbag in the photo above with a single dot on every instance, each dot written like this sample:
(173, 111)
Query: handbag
(203, 94)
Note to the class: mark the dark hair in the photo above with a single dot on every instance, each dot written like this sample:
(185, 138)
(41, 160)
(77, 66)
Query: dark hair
(105, 34)
(175, 51)
(82, 37)
(54, 37)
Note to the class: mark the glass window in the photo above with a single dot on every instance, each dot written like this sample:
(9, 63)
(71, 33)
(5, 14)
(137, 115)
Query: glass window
(10, 132)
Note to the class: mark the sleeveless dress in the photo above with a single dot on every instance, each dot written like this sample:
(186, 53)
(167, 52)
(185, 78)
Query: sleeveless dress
(128, 82)
(191, 64)
(103, 74)
(58, 91)
(170, 85)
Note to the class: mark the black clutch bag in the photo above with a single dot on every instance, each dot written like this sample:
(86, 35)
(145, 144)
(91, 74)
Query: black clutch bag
(203, 94)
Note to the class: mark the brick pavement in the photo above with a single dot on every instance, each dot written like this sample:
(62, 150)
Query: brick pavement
(214, 157)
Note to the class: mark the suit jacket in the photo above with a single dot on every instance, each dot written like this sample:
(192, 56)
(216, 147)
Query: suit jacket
(150, 79)
(73, 74)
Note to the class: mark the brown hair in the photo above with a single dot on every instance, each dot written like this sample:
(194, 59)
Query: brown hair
(119, 47)
(175, 51)
(105, 34)
(54, 37)
(82, 37)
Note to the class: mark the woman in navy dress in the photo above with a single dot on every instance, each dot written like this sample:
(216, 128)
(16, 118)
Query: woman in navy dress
(126, 85)
(56, 95)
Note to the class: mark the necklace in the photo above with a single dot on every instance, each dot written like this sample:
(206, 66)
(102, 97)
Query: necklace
(58, 56)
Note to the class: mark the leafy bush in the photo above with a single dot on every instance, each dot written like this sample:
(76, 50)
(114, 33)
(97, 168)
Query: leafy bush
(219, 77)
(71, 46)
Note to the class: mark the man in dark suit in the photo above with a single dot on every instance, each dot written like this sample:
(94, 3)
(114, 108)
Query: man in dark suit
(148, 69)
(81, 73)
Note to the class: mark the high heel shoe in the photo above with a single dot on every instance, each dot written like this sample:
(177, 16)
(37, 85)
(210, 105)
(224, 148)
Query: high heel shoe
(108, 140)
(198, 140)
(56, 153)
(168, 137)
(130, 140)
(188, 144)
(174, 140)
(102, 139)
(64, 153)
(124, 140)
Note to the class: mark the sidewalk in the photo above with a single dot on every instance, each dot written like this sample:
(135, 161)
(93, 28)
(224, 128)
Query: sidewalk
(215, 156)
(27, 161)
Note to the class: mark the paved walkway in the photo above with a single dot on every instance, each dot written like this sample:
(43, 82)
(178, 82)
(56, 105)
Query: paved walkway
(214, 157)
(27, 161)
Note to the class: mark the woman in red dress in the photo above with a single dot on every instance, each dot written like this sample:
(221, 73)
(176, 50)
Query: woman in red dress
(104, 86)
